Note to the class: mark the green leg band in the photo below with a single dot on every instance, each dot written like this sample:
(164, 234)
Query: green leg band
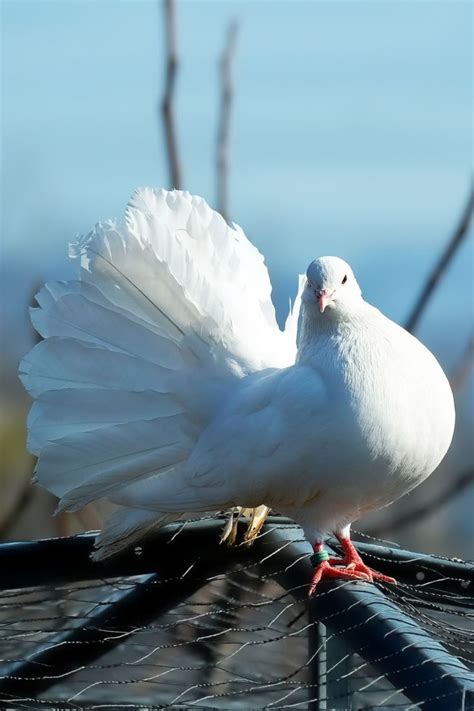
(319, 557)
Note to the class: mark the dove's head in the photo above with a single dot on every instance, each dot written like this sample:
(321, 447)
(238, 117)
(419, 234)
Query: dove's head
(331, 287)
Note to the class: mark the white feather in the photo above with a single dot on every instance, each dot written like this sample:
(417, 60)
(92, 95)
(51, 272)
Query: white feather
(67, 363)
(58, 413)
(124, 529)
(140, 353)
(106, 458)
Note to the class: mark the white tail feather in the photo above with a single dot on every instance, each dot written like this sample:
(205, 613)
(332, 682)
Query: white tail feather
(124, 528)
(140, 353)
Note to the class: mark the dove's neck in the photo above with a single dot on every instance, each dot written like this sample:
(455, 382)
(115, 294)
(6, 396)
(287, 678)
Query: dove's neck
(319, 334)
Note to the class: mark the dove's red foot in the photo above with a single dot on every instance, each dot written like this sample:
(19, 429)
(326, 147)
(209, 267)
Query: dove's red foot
(349, 567)
(326, 571)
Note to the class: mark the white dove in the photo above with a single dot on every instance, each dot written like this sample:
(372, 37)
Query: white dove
(165, 386)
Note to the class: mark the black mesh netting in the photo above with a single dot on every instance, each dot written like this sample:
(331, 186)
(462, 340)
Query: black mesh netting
(231, 628)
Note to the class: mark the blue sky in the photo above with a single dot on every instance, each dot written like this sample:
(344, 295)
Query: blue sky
(351, 134)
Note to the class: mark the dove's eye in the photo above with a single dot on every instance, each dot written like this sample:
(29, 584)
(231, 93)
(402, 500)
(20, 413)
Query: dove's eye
(345, 279)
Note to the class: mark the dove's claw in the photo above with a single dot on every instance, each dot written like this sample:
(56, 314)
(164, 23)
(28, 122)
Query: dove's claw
(327, 571)
(349, 567)
(352, 559)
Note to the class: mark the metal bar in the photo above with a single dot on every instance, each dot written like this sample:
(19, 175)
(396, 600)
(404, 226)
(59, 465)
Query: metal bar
(395, 645)
(56, 560)
(371, 625)
(450, 575)
(51, 662)
(181, 575)
(317, 664)
(338, 673)
(383, 635)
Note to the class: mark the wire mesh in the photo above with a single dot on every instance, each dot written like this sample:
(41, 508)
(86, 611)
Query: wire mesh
(243, 637)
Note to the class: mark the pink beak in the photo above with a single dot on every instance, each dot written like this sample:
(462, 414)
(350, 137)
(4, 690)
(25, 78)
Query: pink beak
(323, 297)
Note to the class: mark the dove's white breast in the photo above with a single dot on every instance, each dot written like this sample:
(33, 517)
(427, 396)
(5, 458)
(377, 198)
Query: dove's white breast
(363, 416)
(393, 396)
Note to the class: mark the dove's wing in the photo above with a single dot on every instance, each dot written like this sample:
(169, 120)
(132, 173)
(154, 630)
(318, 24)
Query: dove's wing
(264, 435)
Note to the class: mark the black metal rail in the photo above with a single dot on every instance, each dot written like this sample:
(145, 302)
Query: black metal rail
(371, 624)
(63, 560)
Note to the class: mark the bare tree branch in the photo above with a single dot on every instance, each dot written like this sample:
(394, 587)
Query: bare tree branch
(458, 377)
(223, 132)
(442, 264)
(427, 508)
(167, 108)
(461, 372)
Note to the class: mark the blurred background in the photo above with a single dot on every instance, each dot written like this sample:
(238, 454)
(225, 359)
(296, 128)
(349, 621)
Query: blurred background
(347, 127)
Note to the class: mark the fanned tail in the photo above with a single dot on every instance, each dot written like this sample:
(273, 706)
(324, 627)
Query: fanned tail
(141, 350)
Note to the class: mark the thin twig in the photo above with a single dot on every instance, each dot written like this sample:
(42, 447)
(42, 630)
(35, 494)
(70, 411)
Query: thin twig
(167, 108)
(440, 267)
(223, 132)
(427, 508)
(461, 372)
